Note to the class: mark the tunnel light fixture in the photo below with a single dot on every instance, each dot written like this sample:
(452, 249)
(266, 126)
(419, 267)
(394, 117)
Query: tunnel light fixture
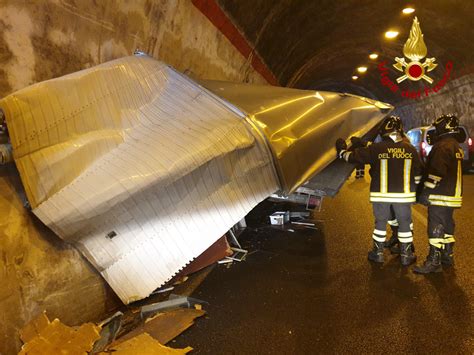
(362, 69)
(355, 77)
(408, 10)
(391, 34)
(373, 56)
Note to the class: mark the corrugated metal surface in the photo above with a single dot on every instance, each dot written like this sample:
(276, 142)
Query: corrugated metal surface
(144, 169)
(134, 150)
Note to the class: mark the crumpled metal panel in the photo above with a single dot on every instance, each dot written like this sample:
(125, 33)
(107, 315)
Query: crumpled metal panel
(137, 165)
(301, 126)
(144, 169)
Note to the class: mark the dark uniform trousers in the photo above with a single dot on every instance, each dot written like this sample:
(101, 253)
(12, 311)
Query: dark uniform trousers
(444, 185)
(440, 216)
(395, 170)
(393, 223)
(383, 214)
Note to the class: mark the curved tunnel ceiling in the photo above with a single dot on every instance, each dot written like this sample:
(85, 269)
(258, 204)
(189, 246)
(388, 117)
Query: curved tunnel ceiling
(319, 44)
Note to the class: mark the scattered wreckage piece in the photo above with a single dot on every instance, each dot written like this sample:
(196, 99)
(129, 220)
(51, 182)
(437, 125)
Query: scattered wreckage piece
(165, 326)
(41, 336)
(110, 328)
(144, 344)
(174, 301)
(220, 249)
(143, 169)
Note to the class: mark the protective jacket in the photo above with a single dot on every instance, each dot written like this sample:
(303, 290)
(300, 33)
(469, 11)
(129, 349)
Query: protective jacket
(444, 172)
(395, 170)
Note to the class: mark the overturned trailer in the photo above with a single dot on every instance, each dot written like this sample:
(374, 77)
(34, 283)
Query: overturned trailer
(143, 168)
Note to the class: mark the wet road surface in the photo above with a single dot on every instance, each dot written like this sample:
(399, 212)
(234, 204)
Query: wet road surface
(314, 292)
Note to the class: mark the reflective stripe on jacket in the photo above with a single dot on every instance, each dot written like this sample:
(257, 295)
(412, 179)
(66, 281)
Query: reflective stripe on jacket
(444, 173)
(395, 170)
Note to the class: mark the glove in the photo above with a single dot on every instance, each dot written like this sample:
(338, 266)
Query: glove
(341, 147)
(356, 143)
(422, 198)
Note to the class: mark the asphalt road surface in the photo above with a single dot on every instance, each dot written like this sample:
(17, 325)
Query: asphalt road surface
(312, 291)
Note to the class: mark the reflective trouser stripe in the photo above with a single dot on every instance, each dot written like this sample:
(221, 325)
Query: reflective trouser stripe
(379, 235)
(393, 223)
(448, 238)
(378, 238)
(405, 237)
(437, 242)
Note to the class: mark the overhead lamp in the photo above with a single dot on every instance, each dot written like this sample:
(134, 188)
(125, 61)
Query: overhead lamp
(362, 69)
(373, 56)
(391, 34)
(355, 77)
(408, 10)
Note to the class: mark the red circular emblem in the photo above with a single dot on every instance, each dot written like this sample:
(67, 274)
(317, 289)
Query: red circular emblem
(415, 71)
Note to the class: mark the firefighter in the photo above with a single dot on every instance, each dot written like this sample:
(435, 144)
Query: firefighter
(392, 243)
(394, 164)
(442, 193)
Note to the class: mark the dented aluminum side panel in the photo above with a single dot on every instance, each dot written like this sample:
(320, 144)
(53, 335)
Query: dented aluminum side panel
(301, 126)
(143, 169)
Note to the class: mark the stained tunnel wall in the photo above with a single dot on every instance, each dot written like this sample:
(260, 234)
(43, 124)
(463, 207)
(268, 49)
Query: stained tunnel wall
(456, 97)
(40, 40)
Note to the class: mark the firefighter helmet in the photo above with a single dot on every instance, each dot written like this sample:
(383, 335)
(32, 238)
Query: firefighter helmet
(446, 123)
(391, 124)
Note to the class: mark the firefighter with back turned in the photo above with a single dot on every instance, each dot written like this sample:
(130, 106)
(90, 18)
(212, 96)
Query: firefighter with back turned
(442, 193)
(395, 170)
(392, 242)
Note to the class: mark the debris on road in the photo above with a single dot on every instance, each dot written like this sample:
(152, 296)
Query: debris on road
(110, 329)
(279, 218)
(174, 301)
(166, 326)
(41, 336)
(304, 223)
(145, 344)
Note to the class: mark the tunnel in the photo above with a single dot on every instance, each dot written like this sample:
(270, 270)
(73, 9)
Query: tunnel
(235, 56)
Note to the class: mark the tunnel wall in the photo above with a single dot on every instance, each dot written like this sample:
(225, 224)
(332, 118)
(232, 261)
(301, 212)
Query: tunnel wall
(40, 40)
(456, 97)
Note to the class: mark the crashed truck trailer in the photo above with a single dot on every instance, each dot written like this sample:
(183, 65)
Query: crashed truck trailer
(143, 168)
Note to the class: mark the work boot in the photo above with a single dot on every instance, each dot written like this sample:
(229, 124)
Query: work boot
(376, 254)
(447, 254)
(407, 257)
(393, 244)
(432, 263)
